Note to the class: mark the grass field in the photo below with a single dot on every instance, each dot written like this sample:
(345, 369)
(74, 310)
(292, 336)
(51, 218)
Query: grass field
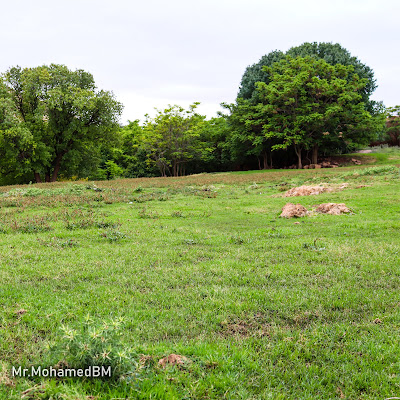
(202, 266)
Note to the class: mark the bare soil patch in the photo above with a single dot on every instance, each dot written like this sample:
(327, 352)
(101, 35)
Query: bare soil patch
(305, 191)
(333, 209)
(245, 328)
(291, 210)
(312, 190)
(173, 359)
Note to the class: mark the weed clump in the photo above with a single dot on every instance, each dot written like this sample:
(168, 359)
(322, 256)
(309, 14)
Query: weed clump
(31, 225)
(82, 219)
(143, 213)
(95, 344)
(113, 236)
(235, 239)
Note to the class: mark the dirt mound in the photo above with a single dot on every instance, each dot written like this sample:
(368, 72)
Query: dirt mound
(293, 210)
(305, 191)
(173, 359)
(333, 208)
(309, 190)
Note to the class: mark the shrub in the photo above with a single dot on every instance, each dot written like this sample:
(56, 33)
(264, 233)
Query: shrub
(95, 344)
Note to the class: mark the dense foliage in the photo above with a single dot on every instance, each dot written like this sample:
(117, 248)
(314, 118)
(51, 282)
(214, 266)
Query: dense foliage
(291, 107)
(313, 97)
(393, 126)
(308, 104)
(331, 53)
(59, 120)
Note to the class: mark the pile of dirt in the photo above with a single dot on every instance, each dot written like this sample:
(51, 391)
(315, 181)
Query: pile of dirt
(333, 209)
(306, 191)
(291, 210)
(173, 359)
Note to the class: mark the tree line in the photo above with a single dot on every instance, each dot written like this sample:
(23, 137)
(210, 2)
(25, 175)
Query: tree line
(291, 107)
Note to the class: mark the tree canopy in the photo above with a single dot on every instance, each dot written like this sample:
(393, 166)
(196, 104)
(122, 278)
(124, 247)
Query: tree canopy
(172, 138)
(314, 99)
(329, 52)
(51, 112)
(393, 125)
(305, 103)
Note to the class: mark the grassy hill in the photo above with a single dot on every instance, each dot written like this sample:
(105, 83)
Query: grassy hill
(258, 306)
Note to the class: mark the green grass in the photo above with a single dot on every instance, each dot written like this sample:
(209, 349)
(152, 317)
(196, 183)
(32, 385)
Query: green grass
(203, 267)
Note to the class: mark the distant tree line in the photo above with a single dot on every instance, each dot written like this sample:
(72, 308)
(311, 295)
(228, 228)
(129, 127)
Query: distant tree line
(291, 108)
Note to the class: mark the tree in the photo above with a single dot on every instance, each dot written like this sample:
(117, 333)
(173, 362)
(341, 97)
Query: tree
(215, 155)
(63, 114)
(332, 53)
(172, 138)
(393, 125)
(255, 73)
(135, 152)
(247, 138)
(310, 103)
(16, 142)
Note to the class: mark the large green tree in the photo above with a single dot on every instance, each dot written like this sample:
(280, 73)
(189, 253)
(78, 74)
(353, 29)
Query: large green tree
(332, 53)
(62, 113)
(309, 103)
(16, 142)
(172, 139)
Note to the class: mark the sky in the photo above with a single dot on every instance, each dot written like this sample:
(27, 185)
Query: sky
(154, 53)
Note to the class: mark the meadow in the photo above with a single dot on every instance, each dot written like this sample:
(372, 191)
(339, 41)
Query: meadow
(126, 272)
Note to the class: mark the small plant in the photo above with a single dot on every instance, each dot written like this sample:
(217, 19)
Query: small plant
(31, 225)
(313, 246)
(145, 197)
(95, 344)
(207, 191)
(3, 228)
(283, 187)
(236, 239)
(143, 213)
(82, 219)
(113, 236)
(52, 390)
(108, 224)
(253, 186)
(177, 214)
(92, 186)
(58, 242)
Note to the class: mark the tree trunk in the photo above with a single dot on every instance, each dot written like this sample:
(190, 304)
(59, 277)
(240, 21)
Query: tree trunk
(37, 177)
(174, 168)
(57, 165)
(265, 159)
(314, 158)
(297, 150)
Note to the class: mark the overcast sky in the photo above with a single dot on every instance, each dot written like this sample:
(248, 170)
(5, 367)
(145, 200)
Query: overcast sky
(153, 53)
